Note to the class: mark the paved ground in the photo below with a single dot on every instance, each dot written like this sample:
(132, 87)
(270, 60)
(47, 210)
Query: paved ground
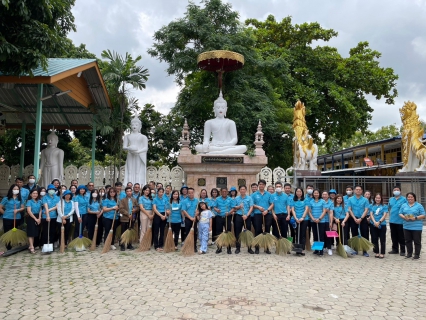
(153, 285)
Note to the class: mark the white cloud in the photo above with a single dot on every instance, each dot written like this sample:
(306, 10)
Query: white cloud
(419, 46)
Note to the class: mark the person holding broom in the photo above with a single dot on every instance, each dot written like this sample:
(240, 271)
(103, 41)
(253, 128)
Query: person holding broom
(159, 206)
(183, 197)
(109, 208)
(34, 207)
(378, 213)
(94, 211)
(145, 206)
(80, 202)
(127, 208)
(280, 209)
(317, 212)
(340, 215)
(358, 208)
(189, 211)
(65, 213)
(175, 215)
(223, 216)
(244, 208)
(50, 203)
(261, 211)
(300, 210)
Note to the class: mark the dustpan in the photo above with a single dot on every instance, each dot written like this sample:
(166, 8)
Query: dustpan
(332, 234)
(289, 237)
(47, 247)
(318, 245)
(298, 247)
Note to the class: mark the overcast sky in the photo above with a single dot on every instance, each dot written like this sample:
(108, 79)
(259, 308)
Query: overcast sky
(396, 28)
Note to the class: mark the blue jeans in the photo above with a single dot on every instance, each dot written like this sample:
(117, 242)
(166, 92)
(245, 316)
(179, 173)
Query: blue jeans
(203, 234)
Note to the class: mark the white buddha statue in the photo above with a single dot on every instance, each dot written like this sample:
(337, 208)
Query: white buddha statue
(52, 161)
(136, 145)
(223, 132)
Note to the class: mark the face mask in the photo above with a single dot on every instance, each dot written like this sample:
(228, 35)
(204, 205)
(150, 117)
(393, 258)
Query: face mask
(32, 181)
(42, 193)
(396, 193)
(51, 192)
(310, 191)
(278, 190)
(63, 190)
(15, 192)
(102, 194)
(94, 195)
(349, 193)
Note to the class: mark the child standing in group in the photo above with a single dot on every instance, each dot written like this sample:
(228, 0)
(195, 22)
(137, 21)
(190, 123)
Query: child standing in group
(204, 226)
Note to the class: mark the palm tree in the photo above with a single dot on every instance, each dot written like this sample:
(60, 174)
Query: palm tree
(119, 72)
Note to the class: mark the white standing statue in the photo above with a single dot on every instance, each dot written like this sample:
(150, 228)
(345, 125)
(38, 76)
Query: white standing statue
(52, 161)
(223, 132)
(136, 145)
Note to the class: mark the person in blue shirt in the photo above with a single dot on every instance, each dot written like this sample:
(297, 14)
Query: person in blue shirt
(358, 208)
(317, 212)
(280, 211)
(413, 215)
(308, 198)
(214, 193)
(204, 197)
(24, 193)
(327, 220)
(262, 205)
(90, 187)
(159, 207)
(223, 216)
(396, 222)
(204, 225)
(34, 206)
(243, 209)
(168, 191)
(369, 197)
(175, 215)
(31, 185)
(94, 213)
(300, 210)
(189, 211)
(145, 206)
(48, 217)
(109, 210)
(183, 197)
(80, 203)
(66, 211)
(340, 216)
(378, 213)
(287, 191)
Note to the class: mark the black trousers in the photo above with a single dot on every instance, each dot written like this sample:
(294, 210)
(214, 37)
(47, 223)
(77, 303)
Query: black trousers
(67, 227)
(318, 230)
(221, 224)
(44, 233)
(397, 237)
(348, 228)
(376, 235)
(158, 226)
(410, 237)
(176, 231)
(258, 223)
(107, 227)
(8, 225)
(283, 223)
(239, 226)
(293, 234)
(91, 222)
(188, 227)
(83, 225)
(327, 240)
(363, 226)
(302, 226)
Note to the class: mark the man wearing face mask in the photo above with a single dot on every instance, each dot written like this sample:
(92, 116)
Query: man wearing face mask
(280, 209)
(308, 198)
(396, 222)
(31, 185)
(350, 221)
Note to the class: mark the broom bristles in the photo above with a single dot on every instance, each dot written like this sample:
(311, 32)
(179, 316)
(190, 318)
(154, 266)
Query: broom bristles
(283, 246)
(145, 244)
(169, 244)
(14, 237)
(95, 236)
(127, 236)
(62, 248)
(107, 243)
(264, 240)
(188, 247)
(246, 238)
(225, 239)
(80, 243)
(136, 227)
(341, 251)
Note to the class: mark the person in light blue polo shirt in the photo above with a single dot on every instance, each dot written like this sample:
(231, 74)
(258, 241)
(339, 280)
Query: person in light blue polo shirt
(413, 215)
(262, 205)
(396, 222)
(280, 209)
(189, 211)
(378, 213)
(317, 211)
(80, 203)
(48, 218)
(159, 206)
(223, 214)
(175, 215)
(243, 209)
(214, 193)
(12, 207)
(109, 210)
(327, 221)
(300, 211)
(358, 208)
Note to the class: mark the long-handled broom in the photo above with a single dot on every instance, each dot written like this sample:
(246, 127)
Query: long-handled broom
(108, 241)
(265, 239)
(14, 236)
(128, 235)
(80, 243)
(169, 244)
(283, 245)
(188, 247)
(246, 236)
(95, 236)
(359, 243)
(340, 249)
(146, 241)
(226, 238)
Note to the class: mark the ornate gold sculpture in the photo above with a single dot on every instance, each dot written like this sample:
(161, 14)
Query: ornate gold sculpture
(413, 149)
(305, 152)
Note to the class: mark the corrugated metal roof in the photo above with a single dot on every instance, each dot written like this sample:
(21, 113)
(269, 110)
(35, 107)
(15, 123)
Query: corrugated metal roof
(58, 65)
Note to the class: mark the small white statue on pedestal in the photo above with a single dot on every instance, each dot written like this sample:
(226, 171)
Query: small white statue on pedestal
(52, 161)
(223, 132)
(136, 145)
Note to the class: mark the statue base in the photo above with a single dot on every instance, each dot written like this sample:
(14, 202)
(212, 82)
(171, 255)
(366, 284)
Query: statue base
(207, 171)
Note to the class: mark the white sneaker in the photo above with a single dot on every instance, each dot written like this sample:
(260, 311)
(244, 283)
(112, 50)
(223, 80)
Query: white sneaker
(113, 247)
(330, 253)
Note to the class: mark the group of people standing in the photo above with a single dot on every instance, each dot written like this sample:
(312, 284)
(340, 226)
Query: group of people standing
(305, 214)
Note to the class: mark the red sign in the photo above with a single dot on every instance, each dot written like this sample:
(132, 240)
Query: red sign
(368, 162)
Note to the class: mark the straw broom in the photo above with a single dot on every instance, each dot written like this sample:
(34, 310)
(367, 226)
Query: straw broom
(265, 239)
(340, 249)
(283, 245)
(146, 241)
(246, 236)
(14, 236)
(108, 241)
(95, 236)
(226, 238)
(128, 235)
(359, 243)
(169, 244)
(188, 247)
(80, 243)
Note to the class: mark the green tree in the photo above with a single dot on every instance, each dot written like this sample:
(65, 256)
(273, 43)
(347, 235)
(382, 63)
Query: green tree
(80, 52)
(31, 32)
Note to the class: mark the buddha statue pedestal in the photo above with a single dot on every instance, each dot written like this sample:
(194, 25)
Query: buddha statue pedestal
(204, 171)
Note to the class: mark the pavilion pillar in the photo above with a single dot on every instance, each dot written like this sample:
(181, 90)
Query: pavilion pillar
(93, 150)
(21, 161)
(382, 152)
(325, 164)
(38, 130)
(343, 162)
(332, 162)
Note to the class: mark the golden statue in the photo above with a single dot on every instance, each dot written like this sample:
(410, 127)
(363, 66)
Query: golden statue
(413, 148)
(305, 151)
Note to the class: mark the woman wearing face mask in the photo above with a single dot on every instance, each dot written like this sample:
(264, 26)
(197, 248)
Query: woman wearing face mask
(378, 213)
(367, 195)
(308, 198)
(65, 213)
(94, 214)
(80, 203)
(48, 218)
(327, 221)
(34, 218)
(396, 222)
(11, 207)
(317, 212)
